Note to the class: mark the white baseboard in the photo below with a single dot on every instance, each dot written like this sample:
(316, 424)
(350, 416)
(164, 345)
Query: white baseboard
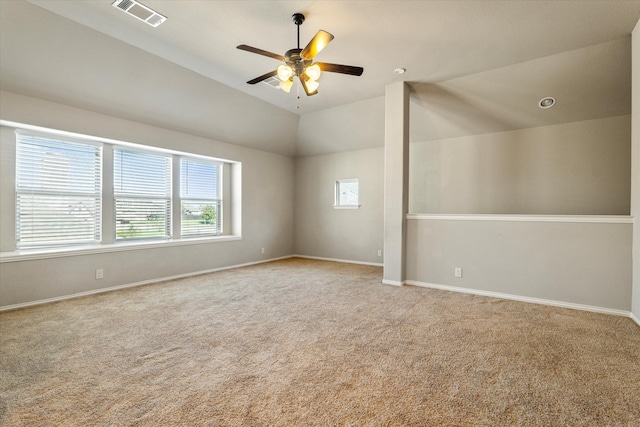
(132, 285)
(542, 301)
(374, 264)
(386, 282)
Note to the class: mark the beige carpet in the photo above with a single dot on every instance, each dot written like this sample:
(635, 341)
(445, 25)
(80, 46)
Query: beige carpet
(302, 343)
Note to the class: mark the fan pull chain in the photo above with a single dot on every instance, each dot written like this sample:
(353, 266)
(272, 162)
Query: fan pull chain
(298, 95)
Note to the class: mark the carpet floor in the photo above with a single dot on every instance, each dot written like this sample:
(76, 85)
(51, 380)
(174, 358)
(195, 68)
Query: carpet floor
(303, 343)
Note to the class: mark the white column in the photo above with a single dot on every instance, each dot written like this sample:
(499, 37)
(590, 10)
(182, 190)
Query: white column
(396, 181)
(635, 168)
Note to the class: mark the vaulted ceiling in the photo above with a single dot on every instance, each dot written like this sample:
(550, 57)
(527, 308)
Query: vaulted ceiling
(485, 61)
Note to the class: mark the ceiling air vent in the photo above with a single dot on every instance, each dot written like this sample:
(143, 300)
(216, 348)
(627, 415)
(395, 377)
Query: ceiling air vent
(140, 11)
(274, 82)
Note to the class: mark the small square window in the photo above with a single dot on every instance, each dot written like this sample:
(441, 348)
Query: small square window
(347, 194)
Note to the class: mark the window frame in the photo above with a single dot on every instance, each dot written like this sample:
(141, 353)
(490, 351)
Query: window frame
(231, 194)
(38, 188)
(338, 191)
(140, 196)
(218, 200)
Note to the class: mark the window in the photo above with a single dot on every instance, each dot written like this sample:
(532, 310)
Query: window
(142, 192)
(201, 204)
(347, 193)
(74, 191)
(58, 192)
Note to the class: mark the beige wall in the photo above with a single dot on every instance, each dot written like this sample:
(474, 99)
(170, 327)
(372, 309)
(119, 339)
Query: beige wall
(288, 208)
(348, 127)
(267, 209)
(579, 168)
(579, 263)
(346, 234)
(589, 83)
(396, 180)
(635, 186)
(47, 56)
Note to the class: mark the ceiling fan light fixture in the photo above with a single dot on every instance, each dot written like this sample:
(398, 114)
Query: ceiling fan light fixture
(299, 63)
(286, 85)
(312, 85)
(313, 71)
(285, 72)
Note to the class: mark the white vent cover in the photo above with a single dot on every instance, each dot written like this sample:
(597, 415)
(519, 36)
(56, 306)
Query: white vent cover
(140, 11)
(274, 82)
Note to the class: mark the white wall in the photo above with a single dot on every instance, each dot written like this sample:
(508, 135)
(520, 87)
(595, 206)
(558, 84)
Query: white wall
(345, 128)
(267, 209)
(348, 132)
(47, 56)
(576, 263)
(579, 263)
(396, 180)
(347, 234)
(635, 185)
(588, 83)
(579, 168)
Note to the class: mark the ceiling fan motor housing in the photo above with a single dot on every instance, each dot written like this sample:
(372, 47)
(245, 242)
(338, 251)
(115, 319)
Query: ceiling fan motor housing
(297, 63)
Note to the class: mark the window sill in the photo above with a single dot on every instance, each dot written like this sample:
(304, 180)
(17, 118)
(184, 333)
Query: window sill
(45, 253)
(347, 207)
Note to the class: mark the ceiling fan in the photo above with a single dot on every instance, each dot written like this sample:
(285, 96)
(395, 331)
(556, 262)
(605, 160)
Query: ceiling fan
(299, 62)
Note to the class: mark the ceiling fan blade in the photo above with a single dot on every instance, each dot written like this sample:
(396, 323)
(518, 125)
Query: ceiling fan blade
(342, 69)
(306, 89)
(260, 52)
(317, 43)
(263, 77)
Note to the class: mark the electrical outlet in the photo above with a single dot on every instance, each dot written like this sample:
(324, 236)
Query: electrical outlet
(457, 272)
(100, 273)
(379, 252)
(262, 250)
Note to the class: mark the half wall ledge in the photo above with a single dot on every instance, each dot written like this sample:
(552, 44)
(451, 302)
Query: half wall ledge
(603, 219)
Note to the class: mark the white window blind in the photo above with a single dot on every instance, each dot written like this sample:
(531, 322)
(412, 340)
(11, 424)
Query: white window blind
(58, 192)
(201, 203)
(142, 192)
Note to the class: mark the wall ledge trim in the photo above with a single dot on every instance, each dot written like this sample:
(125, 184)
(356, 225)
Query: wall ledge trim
(133, 285)
(606, 219)
(541, 301)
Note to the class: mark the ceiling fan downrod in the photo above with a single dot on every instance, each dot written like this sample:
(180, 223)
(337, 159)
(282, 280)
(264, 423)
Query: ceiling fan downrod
(298, 19)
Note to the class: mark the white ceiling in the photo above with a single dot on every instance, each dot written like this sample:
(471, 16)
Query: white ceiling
(433, 40)
(447, 47)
